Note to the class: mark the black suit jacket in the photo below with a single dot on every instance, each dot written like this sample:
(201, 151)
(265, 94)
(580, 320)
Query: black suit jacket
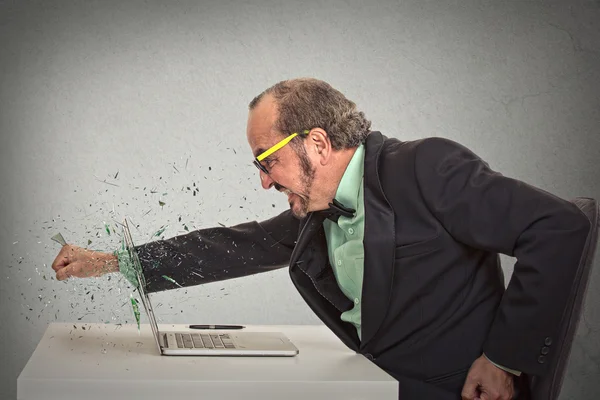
(436, 217)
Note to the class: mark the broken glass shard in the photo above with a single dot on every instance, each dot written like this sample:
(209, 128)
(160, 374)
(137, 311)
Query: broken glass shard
(136, 310)
(171, 280)
(161, 230)
(58, 238)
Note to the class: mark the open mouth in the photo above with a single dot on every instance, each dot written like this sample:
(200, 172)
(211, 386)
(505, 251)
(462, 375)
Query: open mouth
(290, 195)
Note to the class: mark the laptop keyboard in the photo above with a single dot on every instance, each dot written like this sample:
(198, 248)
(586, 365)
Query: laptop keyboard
(204, 341)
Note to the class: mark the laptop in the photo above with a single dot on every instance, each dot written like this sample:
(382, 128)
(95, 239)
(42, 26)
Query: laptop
(208, 342)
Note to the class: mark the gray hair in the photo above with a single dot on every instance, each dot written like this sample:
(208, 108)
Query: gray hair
(307, 103)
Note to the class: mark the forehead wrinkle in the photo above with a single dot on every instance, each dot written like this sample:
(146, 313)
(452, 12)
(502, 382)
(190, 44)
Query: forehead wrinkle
(262, 126)
(272, 139)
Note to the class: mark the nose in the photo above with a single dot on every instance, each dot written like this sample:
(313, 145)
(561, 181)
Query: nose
(266, 181)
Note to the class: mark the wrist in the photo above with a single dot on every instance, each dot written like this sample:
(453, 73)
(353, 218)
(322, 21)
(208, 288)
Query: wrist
(503, 368)
(110, 264)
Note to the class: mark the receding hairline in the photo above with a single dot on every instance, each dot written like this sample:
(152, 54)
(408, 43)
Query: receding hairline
(304, 102)
(273, 126)
(291, 83)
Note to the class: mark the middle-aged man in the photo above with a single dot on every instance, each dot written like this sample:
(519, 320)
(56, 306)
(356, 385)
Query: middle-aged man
(393, 244)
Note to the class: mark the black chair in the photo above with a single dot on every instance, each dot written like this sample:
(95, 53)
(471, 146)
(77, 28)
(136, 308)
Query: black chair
(548, 387)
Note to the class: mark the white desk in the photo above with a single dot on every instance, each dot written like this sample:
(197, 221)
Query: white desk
(107, 361)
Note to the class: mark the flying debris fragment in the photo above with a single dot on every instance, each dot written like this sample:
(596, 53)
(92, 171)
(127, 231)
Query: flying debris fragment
(136, 310)
(171, 280)
(58, 238)
(160, 231)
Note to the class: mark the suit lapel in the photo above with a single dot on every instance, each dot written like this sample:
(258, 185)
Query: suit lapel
(313, 276)
(309, 226)
(379, 244)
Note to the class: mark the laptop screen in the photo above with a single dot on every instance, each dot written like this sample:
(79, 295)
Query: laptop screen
(137, 265)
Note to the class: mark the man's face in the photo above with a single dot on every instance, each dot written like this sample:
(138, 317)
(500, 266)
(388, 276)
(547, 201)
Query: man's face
(289, 172)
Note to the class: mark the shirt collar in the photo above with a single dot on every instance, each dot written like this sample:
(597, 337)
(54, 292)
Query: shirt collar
(348, 189)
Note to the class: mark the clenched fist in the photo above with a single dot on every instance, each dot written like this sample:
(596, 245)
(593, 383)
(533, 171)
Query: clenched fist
(83, 263)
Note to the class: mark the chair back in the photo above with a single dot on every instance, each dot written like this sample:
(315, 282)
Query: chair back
(548, 387)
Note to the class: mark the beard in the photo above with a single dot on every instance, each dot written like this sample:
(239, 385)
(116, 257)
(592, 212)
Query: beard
(299, 203)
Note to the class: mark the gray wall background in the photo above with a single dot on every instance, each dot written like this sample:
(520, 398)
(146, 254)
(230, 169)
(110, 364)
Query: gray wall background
(158, 93)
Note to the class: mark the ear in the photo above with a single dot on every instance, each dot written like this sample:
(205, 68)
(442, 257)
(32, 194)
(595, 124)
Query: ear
(319, 145)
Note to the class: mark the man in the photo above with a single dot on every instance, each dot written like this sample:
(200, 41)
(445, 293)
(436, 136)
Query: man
(394, 245)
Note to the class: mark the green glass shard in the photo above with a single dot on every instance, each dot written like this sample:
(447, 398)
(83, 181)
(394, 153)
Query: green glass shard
(171, 280)
(107, 228)
(136, 310)
(58, 238)
(161, 230)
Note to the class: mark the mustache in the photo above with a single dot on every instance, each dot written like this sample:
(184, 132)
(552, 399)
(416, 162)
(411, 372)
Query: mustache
(280, 188)
(284, 190)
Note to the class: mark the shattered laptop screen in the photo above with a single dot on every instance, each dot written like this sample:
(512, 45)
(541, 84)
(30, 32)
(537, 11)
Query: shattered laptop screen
(137, 266)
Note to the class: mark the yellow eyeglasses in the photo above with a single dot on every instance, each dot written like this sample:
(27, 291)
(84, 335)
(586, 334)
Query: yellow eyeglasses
(273, 149)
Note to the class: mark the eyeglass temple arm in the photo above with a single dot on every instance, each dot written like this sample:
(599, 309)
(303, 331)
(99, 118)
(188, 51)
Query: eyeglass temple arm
(276, 147)
(279, 145)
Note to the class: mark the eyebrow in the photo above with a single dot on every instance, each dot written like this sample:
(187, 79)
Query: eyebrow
(259, 151)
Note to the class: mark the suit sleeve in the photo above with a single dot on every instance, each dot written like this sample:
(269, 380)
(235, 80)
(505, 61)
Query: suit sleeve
(546, 235)
(215, 254)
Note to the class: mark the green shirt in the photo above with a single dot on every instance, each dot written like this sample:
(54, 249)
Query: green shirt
(345, 238)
